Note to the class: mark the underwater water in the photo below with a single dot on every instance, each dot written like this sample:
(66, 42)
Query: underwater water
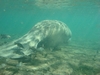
(80, 57)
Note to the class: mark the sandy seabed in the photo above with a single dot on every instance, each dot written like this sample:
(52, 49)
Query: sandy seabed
(78, 58)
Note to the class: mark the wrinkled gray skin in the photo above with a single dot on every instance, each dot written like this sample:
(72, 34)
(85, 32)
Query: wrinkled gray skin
(47, 34)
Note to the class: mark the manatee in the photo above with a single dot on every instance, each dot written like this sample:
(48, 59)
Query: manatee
(47, 34)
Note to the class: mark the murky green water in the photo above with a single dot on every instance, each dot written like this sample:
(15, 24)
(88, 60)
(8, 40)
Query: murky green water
(80, 57)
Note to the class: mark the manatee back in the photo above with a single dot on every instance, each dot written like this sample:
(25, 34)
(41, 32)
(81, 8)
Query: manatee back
(54, 33)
